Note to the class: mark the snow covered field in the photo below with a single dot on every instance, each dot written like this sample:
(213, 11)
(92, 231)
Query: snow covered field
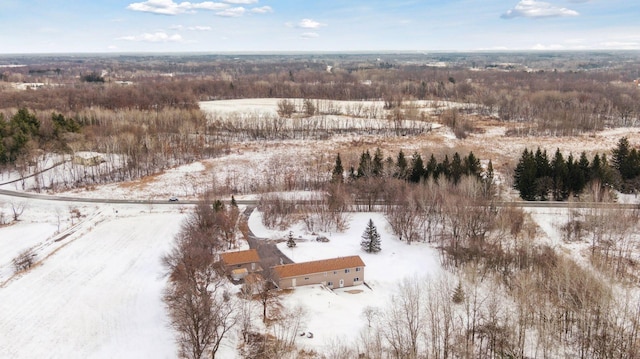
(95, 291)
(96, 288)
(96, 294)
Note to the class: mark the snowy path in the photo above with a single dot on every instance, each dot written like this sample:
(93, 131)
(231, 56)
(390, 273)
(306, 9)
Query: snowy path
(98, 297)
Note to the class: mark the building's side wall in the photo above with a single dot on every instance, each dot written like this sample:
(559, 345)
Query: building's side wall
(251, 267)
(330, 279)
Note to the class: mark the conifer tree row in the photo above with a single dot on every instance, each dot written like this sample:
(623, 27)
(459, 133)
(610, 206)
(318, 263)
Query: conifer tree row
(539, 179)
(413, 170)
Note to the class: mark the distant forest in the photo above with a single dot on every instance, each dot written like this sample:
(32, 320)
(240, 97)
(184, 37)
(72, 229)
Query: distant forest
(146, 107)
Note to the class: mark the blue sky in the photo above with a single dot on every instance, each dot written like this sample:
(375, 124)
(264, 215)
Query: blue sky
(53, 26)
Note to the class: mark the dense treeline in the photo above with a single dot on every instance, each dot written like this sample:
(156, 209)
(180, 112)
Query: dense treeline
(514, 297)
(148, 95)
(136, 143)
(543, 102)
(539, 178)
(24, 132)
(413, 170)
(201, 310)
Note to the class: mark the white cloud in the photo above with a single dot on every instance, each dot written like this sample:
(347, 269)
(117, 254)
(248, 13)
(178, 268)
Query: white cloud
(262, 10)
(548, 47)
(232, 12)
(537, 9)
(169, 7)
(243, 2)
(309, 24)
(159, 36)
(190, 28)
(209, 5)
(621, 45)
(309, 35)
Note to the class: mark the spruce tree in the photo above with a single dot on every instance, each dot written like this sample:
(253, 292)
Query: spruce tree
(337, 175)
(619, 158)
(471, 165)
(560, 176)
(432, 168)
(290, 241)
(401, 166)
(364, 167)
(456, 169)
(489, 173)
(377, 165)
(458, 294)
(417, 168)
(525, 176)
(444, 168)
(370, 239)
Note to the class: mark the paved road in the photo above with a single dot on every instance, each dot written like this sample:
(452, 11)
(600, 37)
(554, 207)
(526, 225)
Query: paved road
(253, 202)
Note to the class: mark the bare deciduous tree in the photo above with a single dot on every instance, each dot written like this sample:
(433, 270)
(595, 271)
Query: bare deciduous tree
(405, 320)
(18, 207)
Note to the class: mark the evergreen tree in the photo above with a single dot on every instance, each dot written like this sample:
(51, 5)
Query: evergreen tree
(337, 175)
(444, 168)
(601, 171)
(4, 132)
(364, 167)
(620, 157)
(560, 176)
(417, 168)
(595, 169)
(582, 177)
(370, 239)
(471, 165)
(401, 166)
(22, 128)
(432, 168)
(218, 206)
(377, 166)
(25, 122)
(290, 241)
(543, 177)
(525, 176)
(543, 168)
(456, 169)
(489, 173)
(458, 294)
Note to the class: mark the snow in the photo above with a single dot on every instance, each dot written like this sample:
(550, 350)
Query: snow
(97, 287)
(337, 315)
(97, 295)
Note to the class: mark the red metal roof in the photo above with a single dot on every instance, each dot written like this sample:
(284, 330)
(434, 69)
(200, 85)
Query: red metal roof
(324, 265)
(240, 257)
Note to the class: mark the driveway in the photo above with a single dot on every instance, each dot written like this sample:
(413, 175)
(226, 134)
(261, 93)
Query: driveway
(269, 253)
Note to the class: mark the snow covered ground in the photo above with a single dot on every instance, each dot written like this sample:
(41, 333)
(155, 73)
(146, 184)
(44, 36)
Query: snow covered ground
(96, 288)
(95, 293)
(336, 316)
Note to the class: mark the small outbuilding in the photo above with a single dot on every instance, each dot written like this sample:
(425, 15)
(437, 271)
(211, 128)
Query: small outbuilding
(239, 264)
(86, 158)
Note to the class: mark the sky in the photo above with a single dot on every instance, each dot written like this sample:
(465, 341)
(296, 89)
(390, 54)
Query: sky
(103, 26)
